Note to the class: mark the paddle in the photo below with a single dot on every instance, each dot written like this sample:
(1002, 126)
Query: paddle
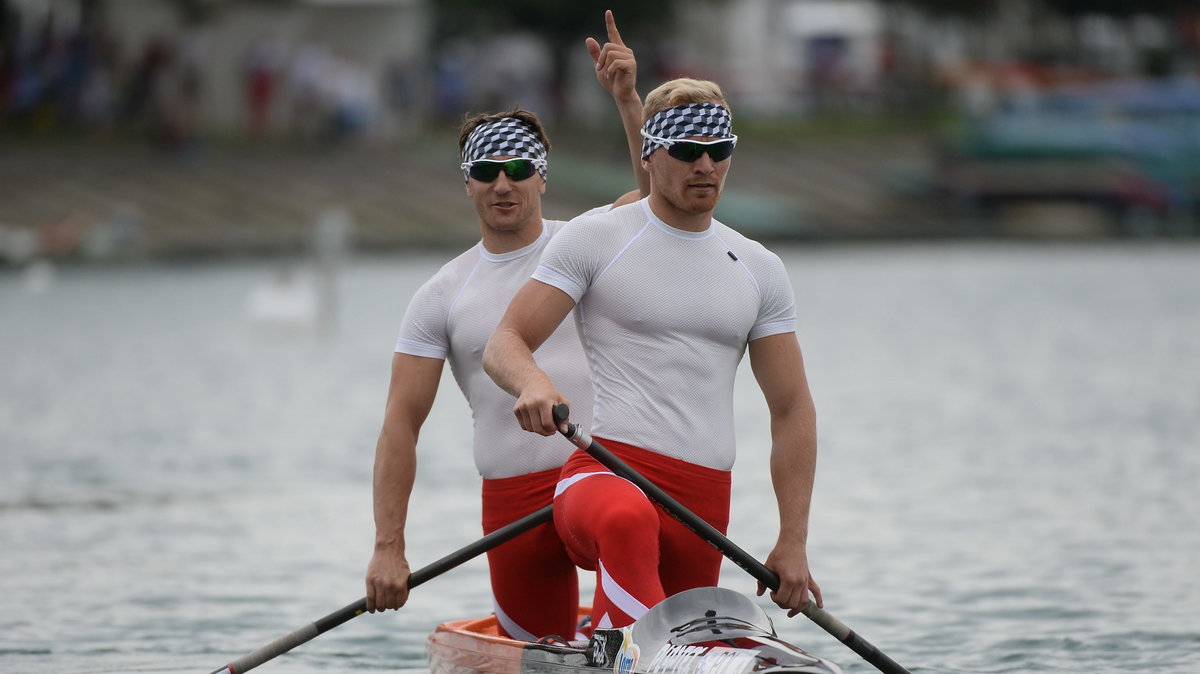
(704, 530)
(287, 643)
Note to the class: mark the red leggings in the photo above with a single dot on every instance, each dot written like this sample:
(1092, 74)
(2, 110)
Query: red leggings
(640, 554)
(534, 582)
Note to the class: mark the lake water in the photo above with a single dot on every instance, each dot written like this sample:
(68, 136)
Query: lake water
(1007, 478)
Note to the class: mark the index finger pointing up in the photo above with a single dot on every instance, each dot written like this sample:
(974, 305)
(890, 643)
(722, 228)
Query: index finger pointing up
(614, 35)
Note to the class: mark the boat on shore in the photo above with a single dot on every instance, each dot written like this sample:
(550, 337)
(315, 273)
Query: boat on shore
(708, 629)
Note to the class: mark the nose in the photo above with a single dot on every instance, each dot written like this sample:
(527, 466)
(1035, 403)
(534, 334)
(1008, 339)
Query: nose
(502, 183)
(704, 164)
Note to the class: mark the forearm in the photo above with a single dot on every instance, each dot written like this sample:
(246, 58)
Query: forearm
(793, 470)
(629, 105)
(508, 360)
(395, 472)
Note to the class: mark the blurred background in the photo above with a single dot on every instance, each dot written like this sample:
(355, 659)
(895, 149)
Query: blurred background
(197, 127)
(213, 214)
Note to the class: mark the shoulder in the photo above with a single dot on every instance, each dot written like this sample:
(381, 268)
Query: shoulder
(762, 263)
(600, 230)
(744, 247)
(451, 277)
(611, 218)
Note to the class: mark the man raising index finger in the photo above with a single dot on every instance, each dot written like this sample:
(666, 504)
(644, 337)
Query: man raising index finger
(667, 300)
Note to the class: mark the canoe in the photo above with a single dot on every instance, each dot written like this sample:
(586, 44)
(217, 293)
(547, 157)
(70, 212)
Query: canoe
(709, 629)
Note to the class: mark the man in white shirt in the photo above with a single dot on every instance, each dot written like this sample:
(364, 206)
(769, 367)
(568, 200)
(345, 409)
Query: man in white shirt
(666, 300)
(534, 582)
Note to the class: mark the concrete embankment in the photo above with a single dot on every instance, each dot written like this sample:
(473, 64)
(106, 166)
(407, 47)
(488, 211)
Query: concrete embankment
(106, 197)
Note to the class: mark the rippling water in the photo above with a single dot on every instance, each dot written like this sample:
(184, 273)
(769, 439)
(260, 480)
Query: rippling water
(1007, 478)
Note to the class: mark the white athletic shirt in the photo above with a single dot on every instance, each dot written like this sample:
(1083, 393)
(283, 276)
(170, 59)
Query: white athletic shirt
(665, 316)
(452, 316)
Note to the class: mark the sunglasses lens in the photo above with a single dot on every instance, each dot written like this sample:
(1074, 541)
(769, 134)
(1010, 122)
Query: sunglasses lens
(515, 169)
(518, 169)
(720, 151)
(485, 171)
(688, 151)
(685, 151)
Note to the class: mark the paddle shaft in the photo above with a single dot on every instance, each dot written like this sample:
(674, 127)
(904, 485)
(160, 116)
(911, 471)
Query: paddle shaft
(709, 533)
(290, 641)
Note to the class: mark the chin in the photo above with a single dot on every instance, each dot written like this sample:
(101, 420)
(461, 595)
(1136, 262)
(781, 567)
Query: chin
(702, 205)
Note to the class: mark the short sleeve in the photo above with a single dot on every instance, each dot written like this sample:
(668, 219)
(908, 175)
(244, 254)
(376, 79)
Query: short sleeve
(423, 330)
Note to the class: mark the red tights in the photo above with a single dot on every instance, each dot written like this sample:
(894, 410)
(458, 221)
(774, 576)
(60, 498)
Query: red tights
(534, 582)
(640, 554)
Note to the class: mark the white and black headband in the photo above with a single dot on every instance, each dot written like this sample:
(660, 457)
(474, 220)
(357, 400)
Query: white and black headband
(505, 137)
(705, 120)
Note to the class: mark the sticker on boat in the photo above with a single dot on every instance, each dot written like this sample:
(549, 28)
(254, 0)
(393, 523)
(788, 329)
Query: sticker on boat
(701, 660)
(627, 657)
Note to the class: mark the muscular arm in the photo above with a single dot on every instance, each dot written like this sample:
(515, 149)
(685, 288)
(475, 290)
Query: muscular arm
(413, 387)
(616, 71)
(534, 313)
(779, 368)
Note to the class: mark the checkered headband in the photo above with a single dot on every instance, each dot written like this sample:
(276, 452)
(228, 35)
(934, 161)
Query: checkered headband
(505, 137)
(706, 120)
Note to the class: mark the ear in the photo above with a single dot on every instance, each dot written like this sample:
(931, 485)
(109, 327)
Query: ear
(542, 187)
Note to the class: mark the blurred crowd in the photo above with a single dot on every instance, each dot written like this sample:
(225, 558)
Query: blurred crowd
(79, 78)
(56, 77)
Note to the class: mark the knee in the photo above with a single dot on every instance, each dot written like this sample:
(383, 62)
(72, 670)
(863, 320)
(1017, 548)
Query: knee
(627, 521)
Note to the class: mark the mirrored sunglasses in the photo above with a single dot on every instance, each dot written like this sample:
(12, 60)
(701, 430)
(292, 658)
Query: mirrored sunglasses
(487, 170)
(691, 150)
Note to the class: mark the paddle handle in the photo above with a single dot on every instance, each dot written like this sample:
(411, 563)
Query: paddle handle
(718, 540)
(306, 633)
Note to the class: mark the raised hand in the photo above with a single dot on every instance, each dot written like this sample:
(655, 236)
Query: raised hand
(616, 68)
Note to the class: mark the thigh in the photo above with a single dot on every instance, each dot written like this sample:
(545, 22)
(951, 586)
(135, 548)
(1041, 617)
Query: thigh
(597, 511)
(688, 560)
(535, 585)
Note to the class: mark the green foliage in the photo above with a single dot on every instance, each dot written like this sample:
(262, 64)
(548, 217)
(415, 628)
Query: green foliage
(975, 8)
(978, 8)
(557, 21)
(1119, 7)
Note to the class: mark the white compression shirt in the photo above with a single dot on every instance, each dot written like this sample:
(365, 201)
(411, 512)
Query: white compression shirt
(452, 316)
(665, 316)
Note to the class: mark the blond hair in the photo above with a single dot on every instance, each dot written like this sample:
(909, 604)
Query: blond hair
(681, 91)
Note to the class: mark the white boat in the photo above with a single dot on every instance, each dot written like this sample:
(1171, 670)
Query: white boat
(706, 630)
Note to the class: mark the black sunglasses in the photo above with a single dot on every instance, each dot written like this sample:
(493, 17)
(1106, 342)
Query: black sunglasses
(487, 170)
(691, 150)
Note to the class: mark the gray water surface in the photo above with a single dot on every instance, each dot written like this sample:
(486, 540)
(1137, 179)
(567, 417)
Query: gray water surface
(1007, 480)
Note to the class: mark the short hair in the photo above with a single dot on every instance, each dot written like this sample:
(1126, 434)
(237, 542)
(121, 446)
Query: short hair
(681, 91)
(535, 125)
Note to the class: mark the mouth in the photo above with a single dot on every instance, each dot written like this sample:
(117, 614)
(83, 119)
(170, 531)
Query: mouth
(504, 205)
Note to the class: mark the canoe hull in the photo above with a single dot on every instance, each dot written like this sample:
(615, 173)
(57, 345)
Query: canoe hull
(474, 646)
(700, 630)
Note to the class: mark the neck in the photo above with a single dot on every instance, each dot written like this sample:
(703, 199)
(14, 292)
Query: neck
(679, 219)
(499, 241)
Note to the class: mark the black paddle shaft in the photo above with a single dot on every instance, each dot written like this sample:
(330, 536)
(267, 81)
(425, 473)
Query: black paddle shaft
(344, 614)
(709, 533)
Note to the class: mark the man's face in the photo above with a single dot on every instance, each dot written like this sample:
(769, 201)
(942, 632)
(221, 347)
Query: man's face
(507, 205)
(689, 187)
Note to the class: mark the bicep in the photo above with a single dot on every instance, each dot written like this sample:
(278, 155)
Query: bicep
(778, 366)
(413, 387)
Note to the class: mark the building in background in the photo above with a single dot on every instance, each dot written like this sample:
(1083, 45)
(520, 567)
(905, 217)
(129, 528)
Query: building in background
(785, 56)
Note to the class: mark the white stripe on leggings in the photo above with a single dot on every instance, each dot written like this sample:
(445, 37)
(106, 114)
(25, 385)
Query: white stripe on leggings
(619, 597)
(563, 484)
(514, 630)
